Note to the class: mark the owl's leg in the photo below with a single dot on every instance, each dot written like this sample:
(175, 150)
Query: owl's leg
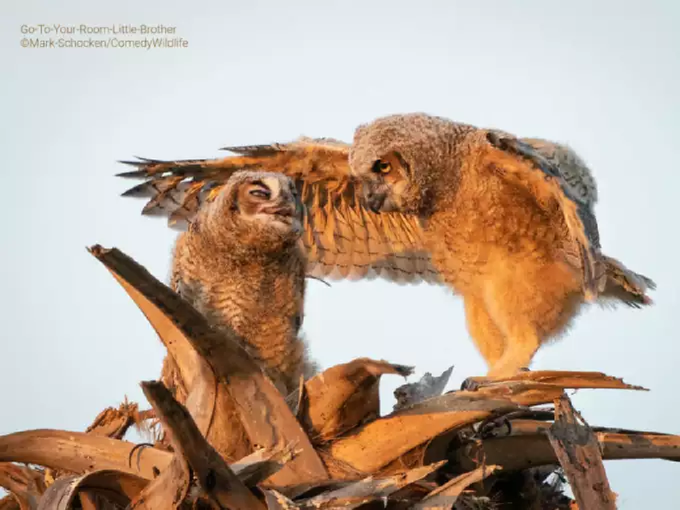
(488, 338)
(523, 342)
(514, 299)
(516, 318)
(530, 305)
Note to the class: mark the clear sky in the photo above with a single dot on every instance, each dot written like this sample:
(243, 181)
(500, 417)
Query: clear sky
(603, 76)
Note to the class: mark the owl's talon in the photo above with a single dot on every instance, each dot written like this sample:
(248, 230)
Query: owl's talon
(472, 383)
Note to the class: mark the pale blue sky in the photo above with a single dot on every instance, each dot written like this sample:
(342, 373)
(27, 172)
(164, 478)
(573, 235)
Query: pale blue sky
(604, 78)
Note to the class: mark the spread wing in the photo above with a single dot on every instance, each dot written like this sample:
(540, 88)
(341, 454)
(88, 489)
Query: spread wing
(557, 172)
(575, 173)
(343, 239)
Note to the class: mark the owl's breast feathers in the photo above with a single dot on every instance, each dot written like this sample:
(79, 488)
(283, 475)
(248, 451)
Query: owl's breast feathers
(504, 207)
(261, 299)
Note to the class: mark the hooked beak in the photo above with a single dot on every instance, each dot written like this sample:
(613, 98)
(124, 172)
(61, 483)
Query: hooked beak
(374, 199)
(280, 210)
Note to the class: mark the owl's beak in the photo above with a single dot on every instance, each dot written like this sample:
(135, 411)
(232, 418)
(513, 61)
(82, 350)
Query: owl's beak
(280, 210)
(374, 199)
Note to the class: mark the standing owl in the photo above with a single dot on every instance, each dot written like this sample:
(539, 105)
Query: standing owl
(241, 265)
(507, 223)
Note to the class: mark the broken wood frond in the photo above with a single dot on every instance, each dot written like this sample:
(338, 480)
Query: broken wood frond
(236, 442)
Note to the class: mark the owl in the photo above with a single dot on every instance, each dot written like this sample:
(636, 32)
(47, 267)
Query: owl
(241, 265)
(507, 223)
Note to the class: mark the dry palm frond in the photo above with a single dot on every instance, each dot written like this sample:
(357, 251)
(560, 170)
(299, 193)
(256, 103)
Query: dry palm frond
(500, 445)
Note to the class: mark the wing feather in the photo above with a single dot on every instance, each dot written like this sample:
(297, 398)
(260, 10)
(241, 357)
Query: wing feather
(575, 173)
(574, 197)
(343, 239)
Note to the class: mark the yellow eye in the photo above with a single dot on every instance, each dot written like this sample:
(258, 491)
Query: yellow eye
(382, 167)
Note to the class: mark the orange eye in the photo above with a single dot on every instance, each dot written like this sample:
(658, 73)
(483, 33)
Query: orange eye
(382, 167)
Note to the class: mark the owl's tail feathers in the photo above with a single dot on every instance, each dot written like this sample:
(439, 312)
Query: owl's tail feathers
(625, 285)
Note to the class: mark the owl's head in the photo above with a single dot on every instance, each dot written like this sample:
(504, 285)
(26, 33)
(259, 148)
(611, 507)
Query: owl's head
(398, 159)
(258, 207)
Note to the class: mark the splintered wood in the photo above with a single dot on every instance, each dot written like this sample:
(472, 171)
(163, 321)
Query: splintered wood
(237, 443)
(580, 456)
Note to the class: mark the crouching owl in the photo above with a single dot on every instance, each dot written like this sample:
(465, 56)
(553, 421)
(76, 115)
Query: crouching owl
(241, 265)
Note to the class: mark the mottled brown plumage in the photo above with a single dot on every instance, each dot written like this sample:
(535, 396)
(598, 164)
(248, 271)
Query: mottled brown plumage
(506, 222)
(242, 266)
(509, 223)
(343, 238)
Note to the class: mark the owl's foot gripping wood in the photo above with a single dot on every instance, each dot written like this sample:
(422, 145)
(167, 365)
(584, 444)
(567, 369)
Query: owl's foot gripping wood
(474, 383)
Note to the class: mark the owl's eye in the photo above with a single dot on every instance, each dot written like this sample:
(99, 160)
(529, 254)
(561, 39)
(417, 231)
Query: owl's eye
(381, 167)
(261, 193)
